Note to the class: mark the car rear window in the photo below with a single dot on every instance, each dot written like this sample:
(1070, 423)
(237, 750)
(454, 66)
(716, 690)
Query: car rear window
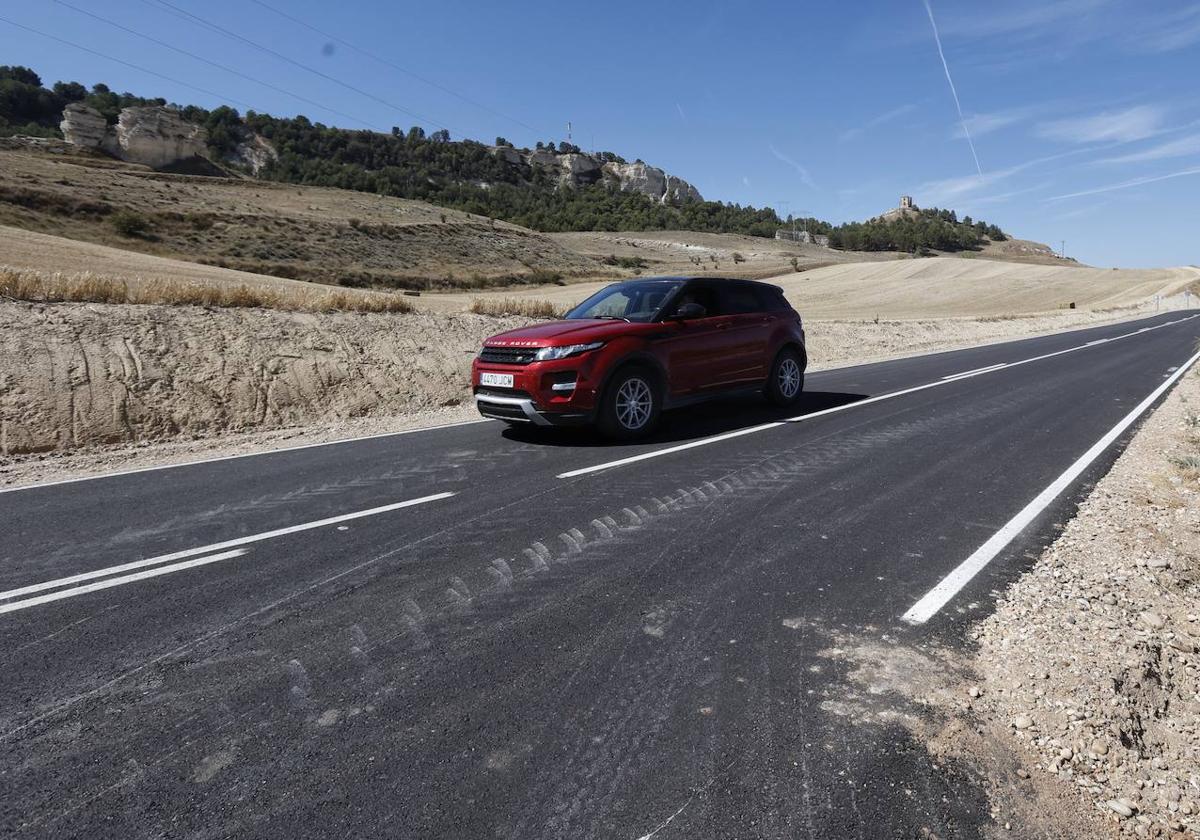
(737, 299)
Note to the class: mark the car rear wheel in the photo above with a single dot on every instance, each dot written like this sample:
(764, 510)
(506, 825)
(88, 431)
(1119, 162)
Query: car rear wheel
(631, 404)
(786, 382)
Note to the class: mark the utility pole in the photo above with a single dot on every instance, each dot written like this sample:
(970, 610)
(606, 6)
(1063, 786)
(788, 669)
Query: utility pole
(1062, 252)
(568, 131)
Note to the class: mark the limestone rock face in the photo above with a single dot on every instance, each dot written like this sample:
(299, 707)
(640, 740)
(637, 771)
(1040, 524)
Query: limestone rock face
(542, 157)
(83, 126)
(507, 154)
(153, 136)
(254, 153)
(158, 136)
(577, 169)
(651, 181)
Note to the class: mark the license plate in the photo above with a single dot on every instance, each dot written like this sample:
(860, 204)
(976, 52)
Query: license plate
(496, 380)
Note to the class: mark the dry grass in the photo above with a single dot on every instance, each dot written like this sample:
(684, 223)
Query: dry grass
(528, 307)
(85, 287)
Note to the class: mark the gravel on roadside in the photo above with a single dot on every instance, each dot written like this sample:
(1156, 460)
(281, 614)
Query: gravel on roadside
(1091, 661)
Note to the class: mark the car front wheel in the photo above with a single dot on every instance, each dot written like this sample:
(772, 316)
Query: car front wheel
(786, 383)
(631, 405)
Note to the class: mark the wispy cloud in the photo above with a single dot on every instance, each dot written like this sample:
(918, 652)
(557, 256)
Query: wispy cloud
(682, 115)
(953, 91)
(948, 190)
(1182, 147)
(1172, 31)
(981, 124)
(800, 170)
(1124, 185)
(1136, 123)
(1086, 210)
(875, 122)
(1020, 19)
(745, 181)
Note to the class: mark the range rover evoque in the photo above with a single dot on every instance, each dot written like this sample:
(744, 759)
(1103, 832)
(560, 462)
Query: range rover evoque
(639, 347)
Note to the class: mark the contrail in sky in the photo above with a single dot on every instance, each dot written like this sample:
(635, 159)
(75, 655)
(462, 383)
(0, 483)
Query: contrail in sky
(946, 67)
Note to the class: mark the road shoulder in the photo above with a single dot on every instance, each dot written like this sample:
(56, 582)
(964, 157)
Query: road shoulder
(1088, 666)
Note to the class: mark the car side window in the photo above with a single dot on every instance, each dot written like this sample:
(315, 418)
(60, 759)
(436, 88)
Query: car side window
(703, 294)
(740, 300)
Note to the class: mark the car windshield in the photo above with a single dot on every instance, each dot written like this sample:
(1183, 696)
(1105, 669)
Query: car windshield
(629, 301)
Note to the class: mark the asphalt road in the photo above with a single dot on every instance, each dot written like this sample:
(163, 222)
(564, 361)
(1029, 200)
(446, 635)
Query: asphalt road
(515, 646)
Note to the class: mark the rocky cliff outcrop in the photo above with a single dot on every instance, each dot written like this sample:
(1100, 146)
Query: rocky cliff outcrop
(84, 126)
(254, 153)
(153, 136)
(158, 136)
(577, 169)
(651, 181)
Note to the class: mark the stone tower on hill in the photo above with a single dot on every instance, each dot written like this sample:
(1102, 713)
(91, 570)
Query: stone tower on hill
(906, 208)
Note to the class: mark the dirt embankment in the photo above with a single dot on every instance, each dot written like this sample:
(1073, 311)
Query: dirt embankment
(83, 374)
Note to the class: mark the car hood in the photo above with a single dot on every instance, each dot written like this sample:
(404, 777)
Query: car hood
(558, 333)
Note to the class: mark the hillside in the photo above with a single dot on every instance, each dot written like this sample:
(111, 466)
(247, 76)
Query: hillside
(934, 287)
(318, 234)
(949, 287)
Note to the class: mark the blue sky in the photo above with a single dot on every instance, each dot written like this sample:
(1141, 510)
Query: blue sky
(1084, 114)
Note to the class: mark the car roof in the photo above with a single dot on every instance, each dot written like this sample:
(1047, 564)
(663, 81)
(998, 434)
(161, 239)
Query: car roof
(685, 278)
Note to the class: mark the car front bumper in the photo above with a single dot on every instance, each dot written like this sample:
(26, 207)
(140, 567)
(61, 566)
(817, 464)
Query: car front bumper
(520, 409)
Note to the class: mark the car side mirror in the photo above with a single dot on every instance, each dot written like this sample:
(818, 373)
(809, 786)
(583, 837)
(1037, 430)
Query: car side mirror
(690, 310)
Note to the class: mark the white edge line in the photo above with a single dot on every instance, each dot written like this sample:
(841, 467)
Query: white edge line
(217, 458)
(846, 407)
(950, 586)
(204, 549)
(681, 447)
(118, 581)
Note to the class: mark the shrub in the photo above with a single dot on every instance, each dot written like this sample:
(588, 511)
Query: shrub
(91, 288)
(527, 307)
(128, 223)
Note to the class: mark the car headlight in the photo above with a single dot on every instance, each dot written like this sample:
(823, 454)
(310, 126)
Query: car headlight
(547, 354)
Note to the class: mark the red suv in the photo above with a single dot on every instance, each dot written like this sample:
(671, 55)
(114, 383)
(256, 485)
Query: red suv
(638, 347)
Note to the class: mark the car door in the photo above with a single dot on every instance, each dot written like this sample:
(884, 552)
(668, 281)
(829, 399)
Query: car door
(697, 349)
(747, 332)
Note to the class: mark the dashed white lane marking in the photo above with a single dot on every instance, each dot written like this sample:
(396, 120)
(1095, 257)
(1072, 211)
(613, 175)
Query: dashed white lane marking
(205, 549)
(109, 583)
(950, 586)
(658, 453)
(976, 370)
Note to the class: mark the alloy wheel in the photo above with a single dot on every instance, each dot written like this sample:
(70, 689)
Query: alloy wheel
(634, 402)
(789, 378)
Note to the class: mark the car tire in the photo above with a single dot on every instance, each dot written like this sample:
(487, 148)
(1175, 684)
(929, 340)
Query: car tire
(785, 385)
(631, 404)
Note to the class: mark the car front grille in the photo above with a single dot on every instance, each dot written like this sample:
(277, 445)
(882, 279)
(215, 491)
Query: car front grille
(508, 355)
(507, 393)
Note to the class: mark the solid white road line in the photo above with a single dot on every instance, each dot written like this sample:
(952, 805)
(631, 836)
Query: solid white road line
(205, 549)
(941, 594)
(658, 453)
(976, 370)
(14, 606)
(217, 458)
